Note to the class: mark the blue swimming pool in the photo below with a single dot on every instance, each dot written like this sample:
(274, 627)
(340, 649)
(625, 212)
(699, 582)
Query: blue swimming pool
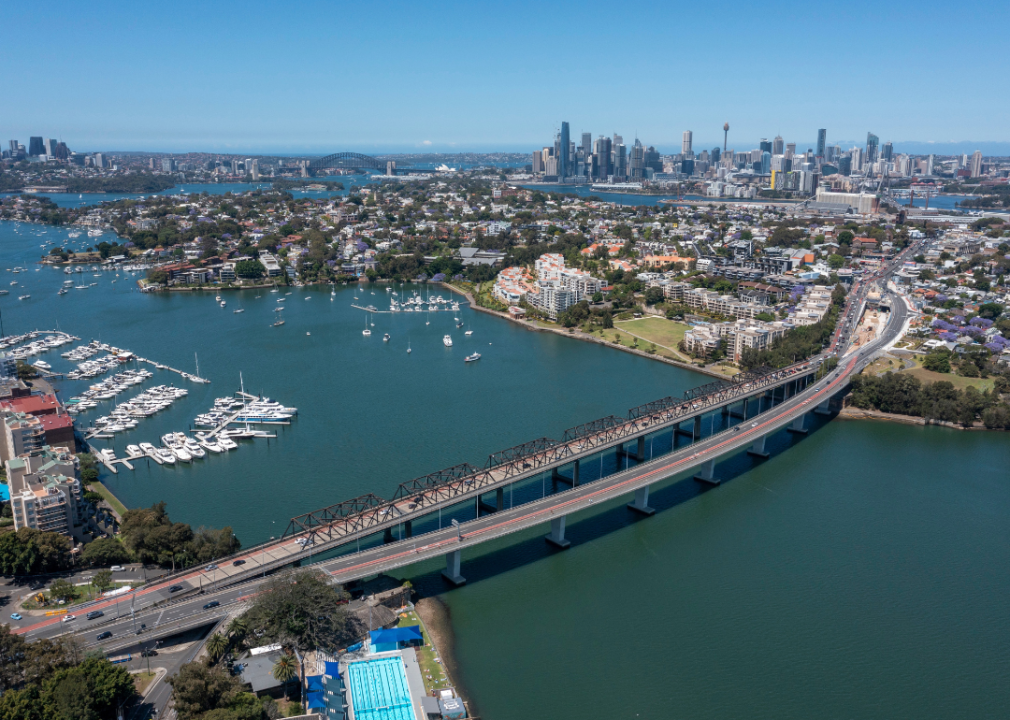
(379, 689)
(4, 493)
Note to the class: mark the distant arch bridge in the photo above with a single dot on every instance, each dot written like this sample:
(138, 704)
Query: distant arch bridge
(352, 161)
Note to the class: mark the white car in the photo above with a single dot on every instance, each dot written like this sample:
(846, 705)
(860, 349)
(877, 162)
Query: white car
(68, 618)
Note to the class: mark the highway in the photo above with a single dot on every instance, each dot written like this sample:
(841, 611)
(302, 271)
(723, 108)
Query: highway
(164, 612)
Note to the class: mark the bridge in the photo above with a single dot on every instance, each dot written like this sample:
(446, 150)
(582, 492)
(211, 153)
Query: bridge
(595, 462)
(356, 161)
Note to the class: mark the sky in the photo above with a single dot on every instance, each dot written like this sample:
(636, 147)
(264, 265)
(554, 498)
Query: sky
(318, 77)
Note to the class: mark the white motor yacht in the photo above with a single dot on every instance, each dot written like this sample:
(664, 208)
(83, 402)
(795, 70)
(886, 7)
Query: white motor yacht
(133, 450)
(447, 341)
(166, 455)
(227, 443)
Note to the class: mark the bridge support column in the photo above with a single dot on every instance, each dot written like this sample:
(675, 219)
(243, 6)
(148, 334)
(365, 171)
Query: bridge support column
(557, 536)
(451, 572)
(706, 473)
(387, 535)
(696, 429)
(641, 449)
(824, 408)
(797, 426)
(758, 449)
(556, 475)
(746, 404)
(679, 431)
(637, 454)
(408, 529)
(499, 499)
(641, 504)
(486, 507)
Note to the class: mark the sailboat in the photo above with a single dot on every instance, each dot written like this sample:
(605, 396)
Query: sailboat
(197, 378)
(408, 347)
(366, 332)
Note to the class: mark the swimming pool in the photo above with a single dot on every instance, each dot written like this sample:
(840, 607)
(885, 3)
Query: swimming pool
(379, 689)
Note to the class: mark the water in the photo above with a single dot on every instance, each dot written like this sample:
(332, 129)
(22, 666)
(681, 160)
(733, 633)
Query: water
(621, 198)
(858, 573)
(371, 416)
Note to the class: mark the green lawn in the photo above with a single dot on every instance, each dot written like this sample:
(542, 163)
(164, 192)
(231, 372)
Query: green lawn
(928, 376)
(109, 497)
(426, 655)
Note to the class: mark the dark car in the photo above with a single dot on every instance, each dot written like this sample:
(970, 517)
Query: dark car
(148, 653)
(104, 635)
(239, 562)
(211, 604)
(141, 628)
(175, 588)
(94, 614)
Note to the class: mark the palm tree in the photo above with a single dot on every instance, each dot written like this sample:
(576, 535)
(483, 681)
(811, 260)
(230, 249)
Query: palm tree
(285, 670)
(238, 629)
(216, 645)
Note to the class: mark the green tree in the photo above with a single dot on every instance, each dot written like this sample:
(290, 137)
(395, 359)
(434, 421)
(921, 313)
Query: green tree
(250, 269)
(102, 580)
(301, 610)
(835, 261)
(285, 670)
(104, 552)
(158, 277)
(216, 645)
(198, 689)
(62, 590)
(937, 361)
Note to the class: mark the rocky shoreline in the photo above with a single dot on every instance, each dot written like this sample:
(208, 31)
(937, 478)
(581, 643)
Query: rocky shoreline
(435, 615)
(854, 413)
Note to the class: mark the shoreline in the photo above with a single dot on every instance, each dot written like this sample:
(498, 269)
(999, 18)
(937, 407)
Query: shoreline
(854, 413)
(587, 338)
(435, 615)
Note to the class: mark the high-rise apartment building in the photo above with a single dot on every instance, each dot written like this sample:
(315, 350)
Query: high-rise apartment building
(686, 142)
(857, 159)
(976, 164)
(872, 148)
(777, 145)
(822, 141)
(564, 160)
(929, 164)
(45, 492)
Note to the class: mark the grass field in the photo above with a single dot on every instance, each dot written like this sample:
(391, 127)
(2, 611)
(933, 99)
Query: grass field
(928, 376)
(666, 334)
(109, 497)
(431, 671)
(142, 679)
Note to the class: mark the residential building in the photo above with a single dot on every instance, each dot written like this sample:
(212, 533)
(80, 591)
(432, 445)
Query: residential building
(686, 142)
(22, 433)
(45, 492)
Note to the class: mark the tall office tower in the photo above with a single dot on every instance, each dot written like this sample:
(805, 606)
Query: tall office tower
(62, 151)
(601, 157)
(929, 164)
(765, 145)
(844, 165)
(963, 161)
(619, 161)
(653, 159)
(685, 143)
(637, 164)
(618, 139)
(564, 159)
(49, 146)
(822, 140)
(14, 148)
(587, 143)
(766, 162)
(715, 155)
(777, 145)
(254, 168)
(976, 164)
(98, 160)
(538, 161)
(872, 145)
(887, 152)
(790, 149)
(857, 159)
(35, 147)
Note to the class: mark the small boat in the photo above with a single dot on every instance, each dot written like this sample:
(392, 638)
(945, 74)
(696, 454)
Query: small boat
(278, 323)
(308, 333)
(408, 347)
(23, 297)
(447, 341)
(223, 303)
(385, 338)
(239, 310)
(468, 333)
(472, 358)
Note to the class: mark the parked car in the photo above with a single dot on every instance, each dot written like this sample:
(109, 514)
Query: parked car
(104, 635)
(117, 568)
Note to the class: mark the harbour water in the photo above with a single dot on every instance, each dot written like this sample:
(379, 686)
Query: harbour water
(860, 572)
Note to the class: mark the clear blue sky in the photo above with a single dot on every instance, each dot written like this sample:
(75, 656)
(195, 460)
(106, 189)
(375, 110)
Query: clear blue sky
(320, 76)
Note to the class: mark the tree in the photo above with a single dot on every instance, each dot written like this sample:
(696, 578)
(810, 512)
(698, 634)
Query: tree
(937, 361)
(216, 645)
(198, 689)
(102, 580)
(104, 552)
(250, 269)
(835, 261)
(157, 277)
(26, 371)
(62, 590)
(654, 295)
(285, 670)
(301, 610)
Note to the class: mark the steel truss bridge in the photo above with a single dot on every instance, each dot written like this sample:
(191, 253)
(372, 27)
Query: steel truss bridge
(353, 161)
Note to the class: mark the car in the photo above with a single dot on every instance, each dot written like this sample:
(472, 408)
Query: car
(148, 653)
(141, 628)
(104, 635)
(175, 588)
(69, 618)
(15, 616)
(94, 614)
(238, 562)
(211, 567)
(117, 568)
(211, 604)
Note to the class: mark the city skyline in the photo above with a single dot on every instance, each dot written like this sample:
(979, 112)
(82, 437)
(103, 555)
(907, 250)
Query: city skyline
(266, 82)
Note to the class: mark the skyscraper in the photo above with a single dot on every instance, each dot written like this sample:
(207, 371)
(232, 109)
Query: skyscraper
(766, 162)
(857, 159)
(765, 145)
(822, 140)
(976, 164)
(619, 159)
(587, 144)
(685, 143)
(715, 156)
(872, 145)
(929, 164)
(564, 161)
(887, 152)
(601, 157)
(777, 145)
(790, 149)
(36, 147)
(637, 164)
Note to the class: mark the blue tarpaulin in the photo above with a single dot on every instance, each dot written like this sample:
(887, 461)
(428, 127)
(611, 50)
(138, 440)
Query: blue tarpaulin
(332, 668)
(316, 701)
(314, 683)
(354, 648)
(396, 635)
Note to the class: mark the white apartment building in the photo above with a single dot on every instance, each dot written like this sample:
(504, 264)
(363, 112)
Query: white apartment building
(45, 492)
(739, 335)
(22, 434)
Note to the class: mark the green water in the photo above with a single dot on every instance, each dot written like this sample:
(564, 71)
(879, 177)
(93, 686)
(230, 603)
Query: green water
(859, 574)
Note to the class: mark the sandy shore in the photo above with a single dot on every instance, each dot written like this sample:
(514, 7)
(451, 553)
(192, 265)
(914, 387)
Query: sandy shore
(436, 619)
